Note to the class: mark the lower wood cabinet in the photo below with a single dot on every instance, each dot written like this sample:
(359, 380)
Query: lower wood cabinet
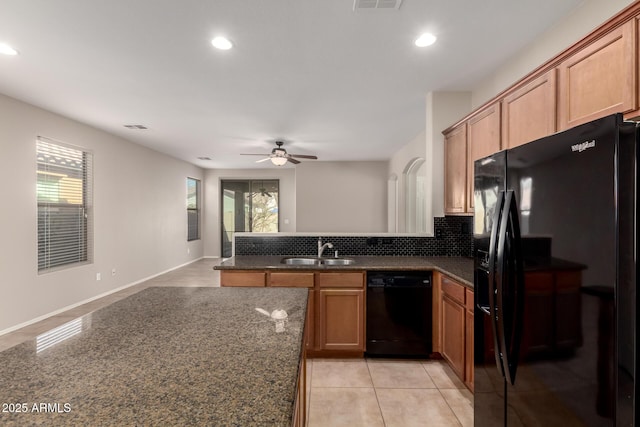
(242, 278)
(468, 340)
(456, 327)
(341, 319)
(335, 324)
(453, 334)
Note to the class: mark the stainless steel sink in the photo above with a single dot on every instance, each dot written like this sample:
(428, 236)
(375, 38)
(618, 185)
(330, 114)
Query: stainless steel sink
(317, 261)
(338, 261)
(301, 261)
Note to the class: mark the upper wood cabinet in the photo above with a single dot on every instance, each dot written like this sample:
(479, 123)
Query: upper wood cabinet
(455, 170)
(483, 139)
(599, 79)
(529, 112)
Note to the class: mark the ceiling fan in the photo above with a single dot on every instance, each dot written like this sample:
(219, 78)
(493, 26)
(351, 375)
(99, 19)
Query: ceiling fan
(279, 156)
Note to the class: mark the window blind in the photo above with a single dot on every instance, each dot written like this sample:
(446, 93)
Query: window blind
(193, 209)
(64, 192)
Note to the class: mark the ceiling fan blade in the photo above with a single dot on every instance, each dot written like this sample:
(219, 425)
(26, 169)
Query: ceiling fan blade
(263, 160)
(254, 154)
(304, 156)
(292, 160)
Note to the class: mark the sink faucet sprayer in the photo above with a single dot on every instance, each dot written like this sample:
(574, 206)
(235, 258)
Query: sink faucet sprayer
(322, 247)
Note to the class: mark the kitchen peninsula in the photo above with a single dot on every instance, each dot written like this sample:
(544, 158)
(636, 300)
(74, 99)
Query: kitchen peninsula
(164, 356)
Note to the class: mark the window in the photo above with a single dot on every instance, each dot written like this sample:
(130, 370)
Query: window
(193, 209)
(248, 206)
(64, 192)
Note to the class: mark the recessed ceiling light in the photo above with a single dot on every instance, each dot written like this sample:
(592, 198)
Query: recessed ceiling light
(5, 49)
(426, 39)
(221, 43)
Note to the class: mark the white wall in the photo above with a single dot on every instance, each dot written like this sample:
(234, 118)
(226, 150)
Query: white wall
(348, 197)
(287, 208)
(589, 15)
(140, 215)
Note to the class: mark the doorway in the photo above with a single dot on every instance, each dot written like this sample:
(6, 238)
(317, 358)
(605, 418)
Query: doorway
(247, 206)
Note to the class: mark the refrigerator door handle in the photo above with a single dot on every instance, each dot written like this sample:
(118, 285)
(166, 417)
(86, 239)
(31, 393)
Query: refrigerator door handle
(510, 291)
(492, 288)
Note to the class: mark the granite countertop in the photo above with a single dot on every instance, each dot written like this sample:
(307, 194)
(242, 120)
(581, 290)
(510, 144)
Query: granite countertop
(458, 268)
(164, 356)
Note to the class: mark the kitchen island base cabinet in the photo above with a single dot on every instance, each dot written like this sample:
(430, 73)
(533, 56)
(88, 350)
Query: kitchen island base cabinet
(242, 278)
(341, 319)
(335, 325)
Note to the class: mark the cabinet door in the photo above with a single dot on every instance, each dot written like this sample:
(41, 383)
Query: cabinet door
(291, 279)
(600, 79)
(455, 170)
(529, 113)
(483, 139)
(340, 319)
(468, 342)
(453, 323)
(242, 278)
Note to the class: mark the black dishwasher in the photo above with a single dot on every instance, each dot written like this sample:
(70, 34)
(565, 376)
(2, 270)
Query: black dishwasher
(399, 313)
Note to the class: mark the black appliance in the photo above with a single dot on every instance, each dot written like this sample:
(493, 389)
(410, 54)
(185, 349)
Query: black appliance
(399, 313)
(555, 247)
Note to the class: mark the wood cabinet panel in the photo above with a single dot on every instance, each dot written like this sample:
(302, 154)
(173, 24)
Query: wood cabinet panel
(529, 113)
(341, 280)
(436, 303)
(291, 279)
(453, 334)
(468, 345)
(483, 139)
(242, 278)
(453, 290)
(599, 79)
(455, 170)
(310, 331)
(341, 319)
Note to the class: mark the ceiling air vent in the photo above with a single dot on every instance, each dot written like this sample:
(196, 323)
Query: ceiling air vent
(141, 127)
(376, 4)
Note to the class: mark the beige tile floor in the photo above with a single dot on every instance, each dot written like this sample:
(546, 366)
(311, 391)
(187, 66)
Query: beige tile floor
(341, 392)
(385, 392)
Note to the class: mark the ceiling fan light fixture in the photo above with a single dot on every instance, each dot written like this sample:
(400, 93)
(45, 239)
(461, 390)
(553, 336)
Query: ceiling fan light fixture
(279, 161)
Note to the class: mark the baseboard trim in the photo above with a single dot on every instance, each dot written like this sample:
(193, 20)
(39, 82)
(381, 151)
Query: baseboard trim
(104, 294)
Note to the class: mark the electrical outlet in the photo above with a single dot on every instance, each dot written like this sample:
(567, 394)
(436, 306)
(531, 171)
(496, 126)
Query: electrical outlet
(98, 276)
(188, 251)
(113, 271)
(439, 234)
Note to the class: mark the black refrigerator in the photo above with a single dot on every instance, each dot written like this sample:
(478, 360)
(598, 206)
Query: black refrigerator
(555, 248)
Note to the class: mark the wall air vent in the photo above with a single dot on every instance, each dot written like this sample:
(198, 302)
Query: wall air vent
(376, 4)
(139, 127)
(204, 158)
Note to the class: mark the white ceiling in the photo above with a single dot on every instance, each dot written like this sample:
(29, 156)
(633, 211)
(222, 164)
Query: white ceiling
(329, 81)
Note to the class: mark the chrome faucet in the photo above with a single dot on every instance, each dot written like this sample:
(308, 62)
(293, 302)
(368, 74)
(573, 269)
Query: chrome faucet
(322, 247)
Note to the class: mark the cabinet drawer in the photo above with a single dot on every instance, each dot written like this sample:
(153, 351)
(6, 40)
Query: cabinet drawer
(291, 280)
(469, 299)
(242, 278)
(341, 280)
(454, 290)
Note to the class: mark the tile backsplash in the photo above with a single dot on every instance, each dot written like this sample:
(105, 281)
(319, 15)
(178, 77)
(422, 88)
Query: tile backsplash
(453, 237)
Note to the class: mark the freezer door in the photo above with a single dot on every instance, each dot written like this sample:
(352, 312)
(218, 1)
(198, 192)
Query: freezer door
(565, 188)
